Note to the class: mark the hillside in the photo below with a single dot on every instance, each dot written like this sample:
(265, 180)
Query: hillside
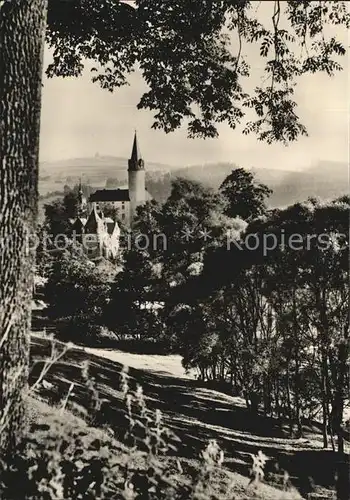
(325, 179)
(93, 171)
(211, 175)
(194, 413)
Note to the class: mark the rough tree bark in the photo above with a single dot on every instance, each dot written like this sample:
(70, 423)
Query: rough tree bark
(22, 27)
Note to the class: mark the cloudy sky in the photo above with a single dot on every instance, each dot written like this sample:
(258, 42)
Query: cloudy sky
(79, 120)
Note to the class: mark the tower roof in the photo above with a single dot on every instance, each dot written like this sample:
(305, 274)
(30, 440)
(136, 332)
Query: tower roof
(135, 153)
(136, 162)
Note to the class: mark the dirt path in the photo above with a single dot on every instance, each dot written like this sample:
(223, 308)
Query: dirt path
(163, 365)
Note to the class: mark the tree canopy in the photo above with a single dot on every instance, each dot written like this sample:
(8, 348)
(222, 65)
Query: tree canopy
(244, 197)
(192, 57)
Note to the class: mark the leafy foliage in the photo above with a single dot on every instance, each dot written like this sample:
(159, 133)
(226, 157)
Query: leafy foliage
(58, 213)
(190, 55)
(78, 293)
(244, 197)
(275, 323)
(127, 313)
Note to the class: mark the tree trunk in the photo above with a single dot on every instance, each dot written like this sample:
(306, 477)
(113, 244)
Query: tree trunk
(321, 303)
(265, 395)
(231, 372)
(277, 401)
(329, 419)
(22, 25)
(299, 427)
(324, 403)
(222, 365)
(289, 401)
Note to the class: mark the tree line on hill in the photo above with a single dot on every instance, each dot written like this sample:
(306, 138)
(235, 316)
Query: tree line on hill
(254, 299)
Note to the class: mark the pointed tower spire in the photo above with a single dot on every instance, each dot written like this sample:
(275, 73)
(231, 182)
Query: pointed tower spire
(136, 162)
(81, 200)
(94, 223)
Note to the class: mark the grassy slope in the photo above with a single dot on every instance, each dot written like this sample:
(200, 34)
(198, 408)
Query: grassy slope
(194, 413)
(48, 425)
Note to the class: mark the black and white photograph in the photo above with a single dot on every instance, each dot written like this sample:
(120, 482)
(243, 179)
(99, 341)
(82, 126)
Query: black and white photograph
(174, 250)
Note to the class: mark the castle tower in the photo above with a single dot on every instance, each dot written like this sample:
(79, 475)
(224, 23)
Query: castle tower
(136, 175)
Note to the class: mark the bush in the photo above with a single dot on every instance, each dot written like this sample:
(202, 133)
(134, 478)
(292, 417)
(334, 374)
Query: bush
(61, 458)
(83, 332)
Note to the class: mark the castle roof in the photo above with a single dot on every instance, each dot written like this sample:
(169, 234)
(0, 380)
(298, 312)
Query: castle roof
(94, 223)
(111, 226)
(82, 220)
(110, 195)
(136, 162)
(136, 153)
(78, 224)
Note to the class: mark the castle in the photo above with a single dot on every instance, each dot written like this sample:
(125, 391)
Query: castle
(99, 235)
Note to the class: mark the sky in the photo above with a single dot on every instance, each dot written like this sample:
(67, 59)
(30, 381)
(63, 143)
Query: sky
(79, 119)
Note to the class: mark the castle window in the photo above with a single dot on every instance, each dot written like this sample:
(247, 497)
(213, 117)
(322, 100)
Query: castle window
(123, 216)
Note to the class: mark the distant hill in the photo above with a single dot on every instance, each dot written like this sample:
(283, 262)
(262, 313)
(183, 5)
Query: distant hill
(94, 165)
(326, 180)
(94, 171)
(211, 175)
